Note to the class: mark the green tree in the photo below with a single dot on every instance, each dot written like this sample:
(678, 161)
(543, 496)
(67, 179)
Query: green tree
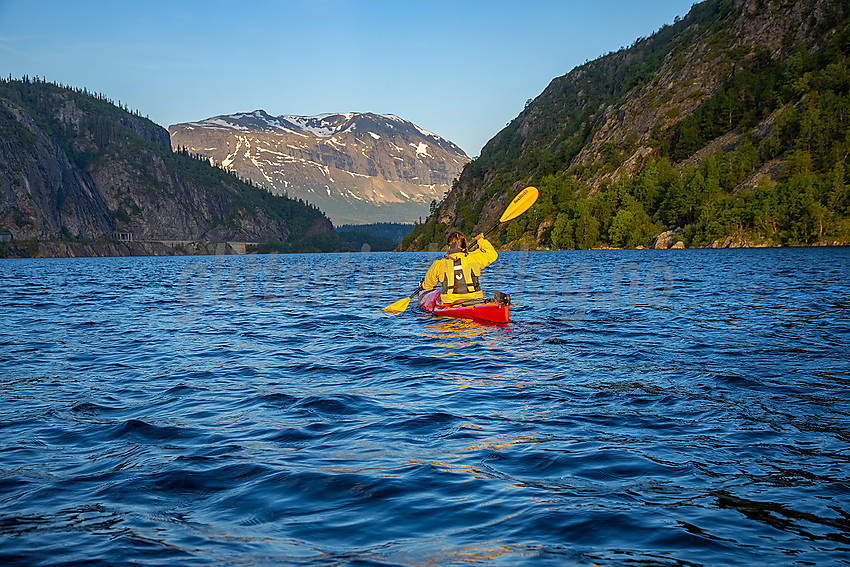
(562, 233)
(624, 227)
(586, 227)
(647, 187)
(838, 195)
(516, 228)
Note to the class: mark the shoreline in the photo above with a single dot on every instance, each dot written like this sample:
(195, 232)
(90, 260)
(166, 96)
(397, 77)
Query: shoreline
(109, 249)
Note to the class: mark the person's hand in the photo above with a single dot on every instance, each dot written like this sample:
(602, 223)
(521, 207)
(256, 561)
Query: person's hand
(480, 236)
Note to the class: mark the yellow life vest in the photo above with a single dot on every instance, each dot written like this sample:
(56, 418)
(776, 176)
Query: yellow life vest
(457, 273)
(460, 281)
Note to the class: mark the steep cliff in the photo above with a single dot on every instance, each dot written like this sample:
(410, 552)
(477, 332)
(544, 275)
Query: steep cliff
(74, 167)
(695, 128)
(357, 167)
(45, 194)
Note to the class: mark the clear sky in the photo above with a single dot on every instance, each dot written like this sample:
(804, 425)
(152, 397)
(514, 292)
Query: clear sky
(461, 69)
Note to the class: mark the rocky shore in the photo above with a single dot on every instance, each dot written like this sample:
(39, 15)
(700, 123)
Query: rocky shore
(103, 249)
(673, 239)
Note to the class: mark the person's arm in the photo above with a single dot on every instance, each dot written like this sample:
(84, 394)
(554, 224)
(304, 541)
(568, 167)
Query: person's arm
(433, 275)
(486, 253)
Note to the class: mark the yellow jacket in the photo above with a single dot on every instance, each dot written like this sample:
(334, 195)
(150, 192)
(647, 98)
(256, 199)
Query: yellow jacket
(458, 273)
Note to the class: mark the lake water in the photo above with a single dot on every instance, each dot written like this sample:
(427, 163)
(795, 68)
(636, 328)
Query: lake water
(685, 407)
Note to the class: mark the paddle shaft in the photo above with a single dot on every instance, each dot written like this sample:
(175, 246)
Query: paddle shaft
(489, 230)
(521, 203)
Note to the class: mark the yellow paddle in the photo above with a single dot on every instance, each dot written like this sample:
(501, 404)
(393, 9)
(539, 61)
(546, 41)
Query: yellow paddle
(400, 305)
(519, 205)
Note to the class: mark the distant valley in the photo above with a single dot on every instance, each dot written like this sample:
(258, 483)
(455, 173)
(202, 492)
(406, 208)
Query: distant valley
(357, 168)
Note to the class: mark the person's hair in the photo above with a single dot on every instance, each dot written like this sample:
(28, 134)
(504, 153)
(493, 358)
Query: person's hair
(457, 240)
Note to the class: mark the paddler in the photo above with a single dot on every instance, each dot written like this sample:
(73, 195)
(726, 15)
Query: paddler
(457, 272)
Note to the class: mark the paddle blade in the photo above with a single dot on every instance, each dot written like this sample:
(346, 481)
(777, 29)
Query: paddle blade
(397, 307)
(520, 204)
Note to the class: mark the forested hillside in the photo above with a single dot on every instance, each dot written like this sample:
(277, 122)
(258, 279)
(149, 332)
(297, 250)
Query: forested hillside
(727, 128)
(76, 169)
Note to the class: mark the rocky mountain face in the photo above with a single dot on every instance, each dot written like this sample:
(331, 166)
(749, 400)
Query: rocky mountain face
(357, 168)
(45, 194)
(75, 168)
(693, 71)
(736, 81)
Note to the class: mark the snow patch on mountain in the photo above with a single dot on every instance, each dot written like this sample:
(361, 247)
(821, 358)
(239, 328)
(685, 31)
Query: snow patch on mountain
(222, 123)
(425, 133)
(314, 125)
(421, 149)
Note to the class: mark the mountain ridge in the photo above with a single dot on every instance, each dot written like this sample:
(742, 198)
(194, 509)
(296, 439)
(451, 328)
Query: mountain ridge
(357, 167)
(591, 134)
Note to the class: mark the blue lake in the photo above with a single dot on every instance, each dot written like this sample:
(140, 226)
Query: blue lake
(682, 407)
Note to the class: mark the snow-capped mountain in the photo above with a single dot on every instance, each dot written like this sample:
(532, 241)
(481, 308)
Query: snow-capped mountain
(356, 167)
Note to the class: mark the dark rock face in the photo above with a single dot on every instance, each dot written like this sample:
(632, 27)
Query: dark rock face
(358, 168)
(45, 194)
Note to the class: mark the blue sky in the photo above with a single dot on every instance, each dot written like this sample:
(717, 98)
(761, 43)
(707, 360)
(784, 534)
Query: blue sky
(461, 69)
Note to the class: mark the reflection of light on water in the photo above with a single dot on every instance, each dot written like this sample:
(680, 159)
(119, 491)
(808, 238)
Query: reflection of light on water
(476, 554)
(484, 553)
(498, 443)
(502, 442)
(454, 468)
(452, 332)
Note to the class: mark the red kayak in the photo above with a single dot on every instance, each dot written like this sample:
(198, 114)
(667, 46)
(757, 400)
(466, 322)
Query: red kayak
(489, 310)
